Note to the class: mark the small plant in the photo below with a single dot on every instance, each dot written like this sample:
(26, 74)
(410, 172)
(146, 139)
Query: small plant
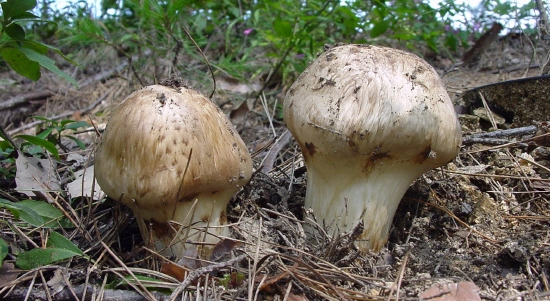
(54, 131)
(26, 56)
(49, 139)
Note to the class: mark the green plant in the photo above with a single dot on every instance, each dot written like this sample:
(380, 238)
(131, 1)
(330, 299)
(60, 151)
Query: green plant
(31, 213)
(50, 138)
(26, 56)
(58, 248)
(53, 131)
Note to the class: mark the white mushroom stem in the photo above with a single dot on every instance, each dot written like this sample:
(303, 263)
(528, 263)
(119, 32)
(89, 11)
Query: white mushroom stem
(341, 200)
(201, 220)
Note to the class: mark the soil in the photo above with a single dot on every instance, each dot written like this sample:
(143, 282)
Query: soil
(482, 219)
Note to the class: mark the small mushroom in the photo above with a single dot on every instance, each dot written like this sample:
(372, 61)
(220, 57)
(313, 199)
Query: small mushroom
(171, 155)
(369, 120)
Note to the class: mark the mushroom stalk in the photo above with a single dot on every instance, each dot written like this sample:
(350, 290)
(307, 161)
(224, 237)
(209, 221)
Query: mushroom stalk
(341, 201)
(200, 222)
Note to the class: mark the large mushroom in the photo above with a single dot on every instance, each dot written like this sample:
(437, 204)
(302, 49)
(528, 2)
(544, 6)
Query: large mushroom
(369, 120)
(171, 155)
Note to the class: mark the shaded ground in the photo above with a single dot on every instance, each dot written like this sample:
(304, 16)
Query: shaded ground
(484, 218)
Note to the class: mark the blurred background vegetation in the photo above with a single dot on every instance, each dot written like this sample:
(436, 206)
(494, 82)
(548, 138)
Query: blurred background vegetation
(261, 39)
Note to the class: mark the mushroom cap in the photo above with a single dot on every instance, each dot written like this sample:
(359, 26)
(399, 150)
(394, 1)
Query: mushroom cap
(164, 145)
(364, 106)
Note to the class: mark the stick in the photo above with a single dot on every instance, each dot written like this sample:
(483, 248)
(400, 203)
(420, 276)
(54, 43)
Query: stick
(194, 275)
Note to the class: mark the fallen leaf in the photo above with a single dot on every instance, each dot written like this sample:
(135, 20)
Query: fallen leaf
(81, 186)
(461, 291)
(222, 249)
(57, 282)
(239, 114)
(8, 273)
(174, 270)
(34, 175)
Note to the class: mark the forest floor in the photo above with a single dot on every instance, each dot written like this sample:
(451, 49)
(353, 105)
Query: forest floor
(475, 229)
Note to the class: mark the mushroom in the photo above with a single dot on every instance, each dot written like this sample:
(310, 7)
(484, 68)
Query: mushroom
(369, 120)
(171, 155)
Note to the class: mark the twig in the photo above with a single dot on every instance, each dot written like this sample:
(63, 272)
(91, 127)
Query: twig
(145, 292)
(482, 43)
(489, 141)
(64, 115)
(263, 100)
(7, 136)
(105, 75)
(497, 176)
(204, 56)
(280, 143)
(506, 145)
(201, 271)
(543, 16)
(526, 130)
(80, 291)
(20, 99)
(397, 284)
(489, 112)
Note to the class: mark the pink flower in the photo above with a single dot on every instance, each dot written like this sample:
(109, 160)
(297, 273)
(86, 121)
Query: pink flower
(248, 31)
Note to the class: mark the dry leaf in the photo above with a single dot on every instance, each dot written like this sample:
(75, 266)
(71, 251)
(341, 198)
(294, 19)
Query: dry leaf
(540, 185)
(462, 291)
(190, 259)
(8, 273)
(77, 188)
(223, 249)
(239, 114)
(292, 297)
(35, 175)
(173, 270)
(57, 282)
(234, 86)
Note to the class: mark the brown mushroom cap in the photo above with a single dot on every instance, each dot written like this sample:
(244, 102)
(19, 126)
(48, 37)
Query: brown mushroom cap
(165, 147)
(369, 120)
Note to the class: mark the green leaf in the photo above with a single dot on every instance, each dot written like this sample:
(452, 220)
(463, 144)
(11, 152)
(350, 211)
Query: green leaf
(5, 145)
(38, 47)
(47, 63)
(78, 142)
(41, 257)
(51, 216)
(73, 125)
(6, 204)
(13, 8)
(282, 28)
(43, 119)
(379, 28)
(3, 250)
(15, 31)
(45, 133)
(20, 212)
(19, 62)
(50, 147)
(59, 241)
(25, 16)
(132, 280)
(451, 42)
(43, 49)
